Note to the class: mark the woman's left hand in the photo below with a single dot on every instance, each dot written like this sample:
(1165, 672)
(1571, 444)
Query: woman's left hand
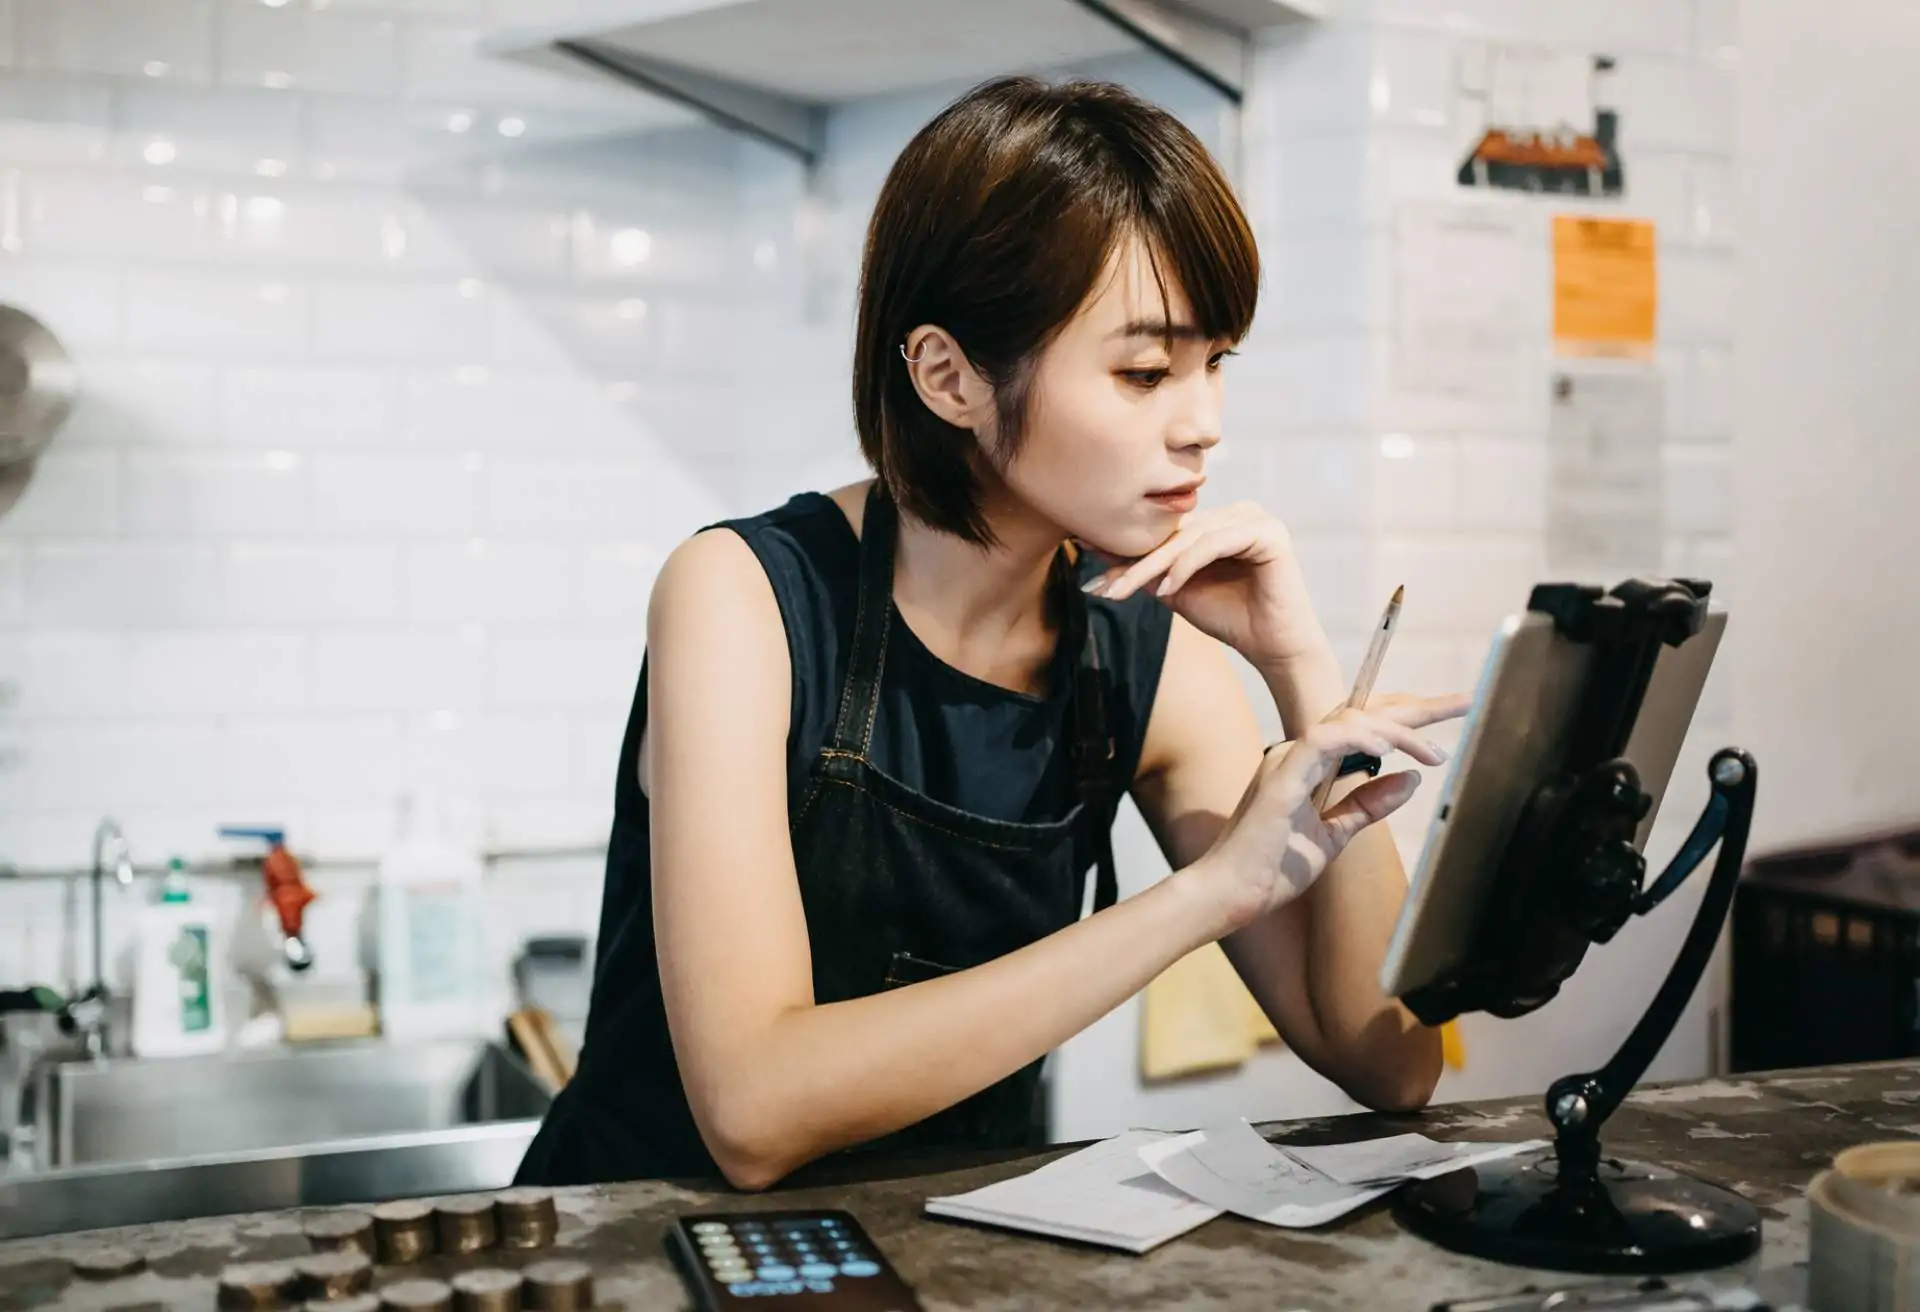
(1231, 573)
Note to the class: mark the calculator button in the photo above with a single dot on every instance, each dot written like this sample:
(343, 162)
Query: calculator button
(775, 1271)
(709, 1228)
(732, 1272)
(743, 1289)
(858, 1269)
(819, 1286)
(819, 1271)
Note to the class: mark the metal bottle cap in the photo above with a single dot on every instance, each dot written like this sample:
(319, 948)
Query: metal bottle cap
(254, 1285)
(558, 1285)
(417, 1296)
(351, 1303)
(108, 1262)
(403, 1231)
(329, 1231)
(465, 1224)
(335, 1274)
(489, 1289)
(527, 1218)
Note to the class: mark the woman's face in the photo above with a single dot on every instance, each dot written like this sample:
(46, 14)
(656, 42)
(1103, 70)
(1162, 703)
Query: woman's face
(1124, 407)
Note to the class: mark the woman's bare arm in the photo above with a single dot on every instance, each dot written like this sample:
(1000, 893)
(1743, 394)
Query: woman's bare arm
(1313, 963)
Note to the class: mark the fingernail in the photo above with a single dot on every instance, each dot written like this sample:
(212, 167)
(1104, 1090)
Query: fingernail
(1438, 750)
(1094, 587)
(1166, 586)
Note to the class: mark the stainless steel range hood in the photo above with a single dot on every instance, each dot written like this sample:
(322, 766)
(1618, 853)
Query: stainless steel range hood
(771, 68)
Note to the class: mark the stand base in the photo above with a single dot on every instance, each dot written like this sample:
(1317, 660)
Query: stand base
(1634, 1218)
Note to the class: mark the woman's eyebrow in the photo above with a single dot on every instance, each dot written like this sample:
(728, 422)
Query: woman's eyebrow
(1161, 330)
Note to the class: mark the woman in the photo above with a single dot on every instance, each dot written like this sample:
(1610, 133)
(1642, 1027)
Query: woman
(880, 733)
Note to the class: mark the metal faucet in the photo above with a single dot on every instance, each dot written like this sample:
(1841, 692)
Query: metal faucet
(89, 1010)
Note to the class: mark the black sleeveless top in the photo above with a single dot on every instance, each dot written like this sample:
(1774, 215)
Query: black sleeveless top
(987, 754)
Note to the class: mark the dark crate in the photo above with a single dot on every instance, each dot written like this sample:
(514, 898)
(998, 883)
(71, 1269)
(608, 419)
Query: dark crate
(1826, 955)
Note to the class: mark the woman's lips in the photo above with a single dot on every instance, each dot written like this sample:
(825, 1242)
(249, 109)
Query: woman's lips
(1177, 502)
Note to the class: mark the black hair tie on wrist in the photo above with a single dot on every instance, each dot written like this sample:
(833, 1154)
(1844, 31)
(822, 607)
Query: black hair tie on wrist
(1352, 763)
(1355, 762)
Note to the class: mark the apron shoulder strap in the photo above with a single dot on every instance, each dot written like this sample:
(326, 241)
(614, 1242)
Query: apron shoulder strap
(873, 616)
(1093, 747)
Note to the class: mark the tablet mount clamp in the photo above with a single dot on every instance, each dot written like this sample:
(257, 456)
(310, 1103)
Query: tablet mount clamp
(1571, 876)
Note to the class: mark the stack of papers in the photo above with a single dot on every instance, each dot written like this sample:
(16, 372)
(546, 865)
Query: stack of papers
(1142, 1188)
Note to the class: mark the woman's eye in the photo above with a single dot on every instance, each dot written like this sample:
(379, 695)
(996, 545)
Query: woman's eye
(1144, 377)
(1213, 361)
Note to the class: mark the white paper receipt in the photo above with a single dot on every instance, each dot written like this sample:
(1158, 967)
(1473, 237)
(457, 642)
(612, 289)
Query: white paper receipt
(1400, 1157)
(1233, 1168)
(1103, 1194)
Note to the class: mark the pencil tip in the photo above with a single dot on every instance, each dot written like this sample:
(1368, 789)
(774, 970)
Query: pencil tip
(1399, 594)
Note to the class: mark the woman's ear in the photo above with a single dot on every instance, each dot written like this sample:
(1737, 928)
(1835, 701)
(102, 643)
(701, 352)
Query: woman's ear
(946, 380)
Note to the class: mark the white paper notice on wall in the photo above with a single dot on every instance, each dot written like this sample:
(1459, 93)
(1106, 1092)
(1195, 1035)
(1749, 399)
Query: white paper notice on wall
(1605, 473)
(1466, 287)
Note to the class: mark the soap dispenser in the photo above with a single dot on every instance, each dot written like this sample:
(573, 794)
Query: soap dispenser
(179, 984)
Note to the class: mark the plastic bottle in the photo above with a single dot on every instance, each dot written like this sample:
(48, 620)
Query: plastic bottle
(180, 989)
(428, 934)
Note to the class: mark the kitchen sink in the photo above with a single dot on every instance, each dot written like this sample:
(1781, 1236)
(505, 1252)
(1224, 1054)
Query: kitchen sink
(139, 1110)
(123, 1142)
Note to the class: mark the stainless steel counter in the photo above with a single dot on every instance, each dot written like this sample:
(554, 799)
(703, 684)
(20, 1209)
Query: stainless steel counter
(126, 1142)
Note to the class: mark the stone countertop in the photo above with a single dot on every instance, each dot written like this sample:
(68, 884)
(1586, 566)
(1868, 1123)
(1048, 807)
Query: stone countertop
(1765, 1135)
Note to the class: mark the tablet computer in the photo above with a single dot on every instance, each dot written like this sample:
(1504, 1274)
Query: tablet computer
(1515, 737)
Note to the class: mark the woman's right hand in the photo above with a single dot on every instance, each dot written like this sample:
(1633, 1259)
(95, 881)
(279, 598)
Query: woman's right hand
(1276, 844)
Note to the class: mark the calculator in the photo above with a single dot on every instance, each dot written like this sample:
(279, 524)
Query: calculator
(809, 1261)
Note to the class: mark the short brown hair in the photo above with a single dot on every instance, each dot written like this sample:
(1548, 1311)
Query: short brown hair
(994, 223)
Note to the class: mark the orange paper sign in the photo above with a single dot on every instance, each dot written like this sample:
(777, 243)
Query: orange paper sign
(1606, 292)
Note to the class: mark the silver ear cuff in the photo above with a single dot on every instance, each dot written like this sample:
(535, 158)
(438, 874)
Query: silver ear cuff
(913, 359)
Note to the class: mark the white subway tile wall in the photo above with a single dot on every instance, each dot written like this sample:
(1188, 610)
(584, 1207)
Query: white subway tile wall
(1447, 493)
(404, 369)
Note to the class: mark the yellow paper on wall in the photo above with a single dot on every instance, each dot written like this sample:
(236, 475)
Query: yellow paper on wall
(1453, 1048)
(1606, 291)
(1198, 1016)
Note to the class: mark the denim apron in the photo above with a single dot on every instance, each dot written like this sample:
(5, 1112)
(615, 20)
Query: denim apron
(897, 888)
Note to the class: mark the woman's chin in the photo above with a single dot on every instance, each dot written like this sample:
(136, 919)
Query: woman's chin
(1127, 541)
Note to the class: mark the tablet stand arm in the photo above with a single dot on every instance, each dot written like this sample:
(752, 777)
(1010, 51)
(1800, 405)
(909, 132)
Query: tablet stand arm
(1579, 1105)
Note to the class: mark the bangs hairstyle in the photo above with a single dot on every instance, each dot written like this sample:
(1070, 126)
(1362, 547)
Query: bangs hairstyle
(994, 224)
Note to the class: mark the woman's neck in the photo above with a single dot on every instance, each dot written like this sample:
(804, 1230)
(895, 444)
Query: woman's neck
(982, 610)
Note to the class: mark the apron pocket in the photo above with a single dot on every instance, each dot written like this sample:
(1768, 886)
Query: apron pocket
(905, 968)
